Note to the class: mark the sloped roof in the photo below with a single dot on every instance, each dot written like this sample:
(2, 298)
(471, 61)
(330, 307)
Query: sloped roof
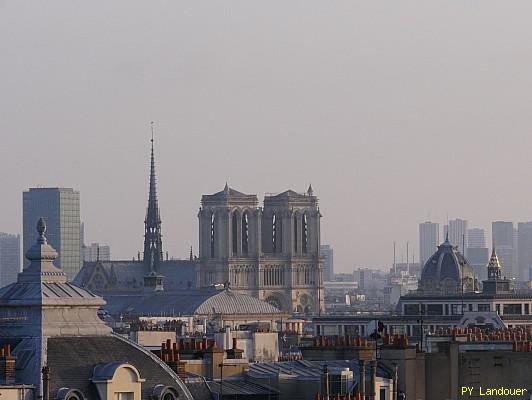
(310, 370)
(290, 193)
(129, 275)
(228, 191)
(206, 301)
(73, 360)
(242, 387)
(229, 196)
(32, 293)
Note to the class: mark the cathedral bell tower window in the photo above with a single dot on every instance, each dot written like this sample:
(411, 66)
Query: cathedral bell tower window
(212, 234)
(245, 233)
(304, 238)
(234, 229)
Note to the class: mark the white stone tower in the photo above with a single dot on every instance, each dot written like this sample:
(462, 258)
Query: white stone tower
(271, 253)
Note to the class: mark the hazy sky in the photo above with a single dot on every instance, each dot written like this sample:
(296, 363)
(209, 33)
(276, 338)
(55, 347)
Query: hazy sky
(394, 110)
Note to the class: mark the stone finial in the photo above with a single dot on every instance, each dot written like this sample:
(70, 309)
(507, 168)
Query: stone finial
(310, 191)
(41, 229)
(41, 250)
(41, 255)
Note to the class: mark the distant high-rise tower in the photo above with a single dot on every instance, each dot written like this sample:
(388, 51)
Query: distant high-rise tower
(476, 238)
(60, 208)
(328, 262)
(9, 258)
(96, 252)
(503, 240)
(524, 250)
(429, 239)
(457, 230)
(153, 245)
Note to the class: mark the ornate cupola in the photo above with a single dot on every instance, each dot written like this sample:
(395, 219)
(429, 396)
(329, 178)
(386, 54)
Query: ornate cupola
(447, 272)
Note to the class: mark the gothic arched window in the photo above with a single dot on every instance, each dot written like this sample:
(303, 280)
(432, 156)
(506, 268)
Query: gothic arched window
(245, 233)
(274, 233)
(213, 220)
(235, 234)
(295, 234)
(304, 233)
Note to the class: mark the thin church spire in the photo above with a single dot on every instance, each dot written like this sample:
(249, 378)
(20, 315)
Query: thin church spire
(153, 249)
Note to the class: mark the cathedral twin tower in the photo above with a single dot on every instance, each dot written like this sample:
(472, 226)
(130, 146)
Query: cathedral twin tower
(270, 252)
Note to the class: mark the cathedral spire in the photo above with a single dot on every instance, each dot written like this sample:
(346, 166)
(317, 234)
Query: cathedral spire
(153, 249)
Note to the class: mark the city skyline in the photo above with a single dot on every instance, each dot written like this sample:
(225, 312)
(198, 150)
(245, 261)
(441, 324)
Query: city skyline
(362, 108)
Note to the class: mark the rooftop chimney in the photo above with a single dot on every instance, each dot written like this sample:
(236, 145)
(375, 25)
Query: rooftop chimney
(7, 365)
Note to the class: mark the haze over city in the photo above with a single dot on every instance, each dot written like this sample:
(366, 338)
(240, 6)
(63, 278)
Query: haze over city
(395, 112)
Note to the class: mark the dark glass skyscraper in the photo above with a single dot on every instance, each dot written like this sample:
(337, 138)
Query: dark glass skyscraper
(60, 208)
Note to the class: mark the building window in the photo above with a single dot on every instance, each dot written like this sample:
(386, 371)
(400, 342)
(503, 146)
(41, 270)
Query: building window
(124, 396)
(245, 233)
(212, 234)
(411, 309)
(483, 307)
(455, 309)
(304, 234)
(512, 309)
(235, 234)
(527, 309)
(295, 234)
(279, 235)
(117, 381)
(274, 233)
(434, 309)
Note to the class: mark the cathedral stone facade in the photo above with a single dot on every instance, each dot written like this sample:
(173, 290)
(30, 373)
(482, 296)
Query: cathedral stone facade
(270, 252)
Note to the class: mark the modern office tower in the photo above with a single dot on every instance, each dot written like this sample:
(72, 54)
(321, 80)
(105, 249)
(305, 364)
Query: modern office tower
(476, 238)
(96, 252)
(429, 239)
(503, 240)
(326, 252)
(478, 258)
(60, 208)
(524, 250)
(9, 258)
(457, 230)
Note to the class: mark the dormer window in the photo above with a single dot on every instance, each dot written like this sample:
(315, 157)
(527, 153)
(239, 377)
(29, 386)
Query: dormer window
(117, 381)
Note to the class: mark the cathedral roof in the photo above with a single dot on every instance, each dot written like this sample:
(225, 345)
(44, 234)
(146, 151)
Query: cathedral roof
(292, 198)
(128, 276)
(230, 196)
(228, 191)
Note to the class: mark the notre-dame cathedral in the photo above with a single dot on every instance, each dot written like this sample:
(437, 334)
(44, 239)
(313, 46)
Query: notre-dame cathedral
(270, 252)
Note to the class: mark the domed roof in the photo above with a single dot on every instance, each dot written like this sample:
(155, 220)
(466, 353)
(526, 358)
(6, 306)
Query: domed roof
(444, 271)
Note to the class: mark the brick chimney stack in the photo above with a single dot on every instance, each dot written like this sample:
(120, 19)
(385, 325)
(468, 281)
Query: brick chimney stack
(235, 352)
(7, 365)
